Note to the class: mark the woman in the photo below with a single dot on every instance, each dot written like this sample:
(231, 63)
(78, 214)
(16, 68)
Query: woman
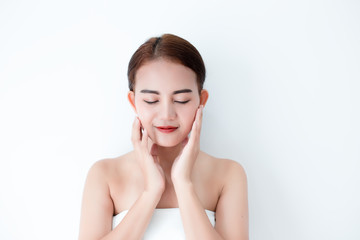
(166, 188)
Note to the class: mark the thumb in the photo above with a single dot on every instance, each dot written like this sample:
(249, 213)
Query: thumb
(154, 150)
(184, 142)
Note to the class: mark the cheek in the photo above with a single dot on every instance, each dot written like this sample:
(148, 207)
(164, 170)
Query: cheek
(142, 112)
(144, 116)
(188, 118)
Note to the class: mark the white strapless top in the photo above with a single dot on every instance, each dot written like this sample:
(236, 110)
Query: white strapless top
(165, 224)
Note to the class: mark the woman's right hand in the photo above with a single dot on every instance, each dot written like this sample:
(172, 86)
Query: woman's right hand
(146, 157)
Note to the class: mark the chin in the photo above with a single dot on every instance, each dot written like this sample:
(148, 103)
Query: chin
(172, 141)
(168, 144)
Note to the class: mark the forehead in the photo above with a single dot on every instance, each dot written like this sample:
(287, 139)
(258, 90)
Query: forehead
(164, 75)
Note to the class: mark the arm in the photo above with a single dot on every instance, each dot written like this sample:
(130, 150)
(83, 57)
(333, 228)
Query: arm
(232, 215)
(232, 207)
(231, 211)
(97, 207)
(137, 219)
(195, 221)
(97, 210)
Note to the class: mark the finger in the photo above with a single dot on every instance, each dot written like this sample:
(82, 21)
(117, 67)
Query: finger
(184, 144)
(196, 128)
(154, 150)
(136, 132)
(199, 117)
(145, 139)
(185, 141)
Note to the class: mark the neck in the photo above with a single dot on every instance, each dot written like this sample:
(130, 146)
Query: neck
(167, 156)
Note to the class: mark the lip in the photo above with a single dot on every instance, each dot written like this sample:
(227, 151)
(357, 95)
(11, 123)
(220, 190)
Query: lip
(166, 129)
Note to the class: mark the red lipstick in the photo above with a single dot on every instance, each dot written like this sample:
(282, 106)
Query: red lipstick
(166, 129)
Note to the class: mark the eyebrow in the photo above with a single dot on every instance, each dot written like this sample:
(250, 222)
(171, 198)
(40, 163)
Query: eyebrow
(149, 91)
(175, 92)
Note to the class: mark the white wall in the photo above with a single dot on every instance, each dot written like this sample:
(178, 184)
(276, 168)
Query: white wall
(284, 83)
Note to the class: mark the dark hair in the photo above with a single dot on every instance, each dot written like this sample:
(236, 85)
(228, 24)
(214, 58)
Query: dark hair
(170, 47)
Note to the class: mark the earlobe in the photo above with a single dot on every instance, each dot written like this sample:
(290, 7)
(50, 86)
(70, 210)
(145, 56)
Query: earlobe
(131, 98)
(204, 95)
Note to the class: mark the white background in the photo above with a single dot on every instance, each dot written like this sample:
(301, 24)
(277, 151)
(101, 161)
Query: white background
(283, 78)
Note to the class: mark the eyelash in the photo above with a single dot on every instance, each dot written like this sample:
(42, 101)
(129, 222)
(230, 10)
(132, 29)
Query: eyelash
(153, 102)
(182, 102)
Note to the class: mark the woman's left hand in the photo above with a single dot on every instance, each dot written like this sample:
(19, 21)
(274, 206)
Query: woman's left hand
(183, 164)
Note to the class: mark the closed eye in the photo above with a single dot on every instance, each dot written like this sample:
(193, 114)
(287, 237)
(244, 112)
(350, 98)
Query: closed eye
(151, 102)
(182, 102)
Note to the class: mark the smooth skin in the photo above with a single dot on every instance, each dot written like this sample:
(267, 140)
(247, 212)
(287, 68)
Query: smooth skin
(165, 170)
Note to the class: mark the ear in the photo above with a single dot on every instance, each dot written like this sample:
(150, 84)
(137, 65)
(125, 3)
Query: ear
(131, 98)
(204, 95)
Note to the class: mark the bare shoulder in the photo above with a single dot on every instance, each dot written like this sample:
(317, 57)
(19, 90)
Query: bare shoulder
(109, 168)
(232, 206)
(97, 204)
(226, 168)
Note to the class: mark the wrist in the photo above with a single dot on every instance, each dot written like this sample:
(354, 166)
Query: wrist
(154, 193)
(180, 178)
(182, 184)
(154, 187)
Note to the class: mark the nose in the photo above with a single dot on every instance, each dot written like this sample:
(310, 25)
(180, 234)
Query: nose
(167, 111)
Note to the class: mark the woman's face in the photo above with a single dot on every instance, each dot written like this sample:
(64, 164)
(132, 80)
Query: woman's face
(166, 98)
